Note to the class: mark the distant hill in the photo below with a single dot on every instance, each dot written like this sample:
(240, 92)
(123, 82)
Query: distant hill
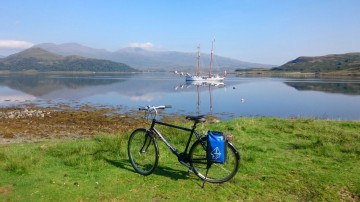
(42, 60)
(327, 63)
(144, 59)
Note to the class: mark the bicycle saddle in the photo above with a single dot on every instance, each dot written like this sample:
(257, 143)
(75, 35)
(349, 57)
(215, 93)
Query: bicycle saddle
(197, 119)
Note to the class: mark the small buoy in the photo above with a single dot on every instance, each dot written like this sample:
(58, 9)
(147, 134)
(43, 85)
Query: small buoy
(234, 87)
(242, 100)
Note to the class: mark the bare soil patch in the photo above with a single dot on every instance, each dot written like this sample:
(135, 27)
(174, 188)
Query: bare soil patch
(6, 189)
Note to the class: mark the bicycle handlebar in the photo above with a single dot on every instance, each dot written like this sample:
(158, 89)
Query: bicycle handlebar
(151, 108)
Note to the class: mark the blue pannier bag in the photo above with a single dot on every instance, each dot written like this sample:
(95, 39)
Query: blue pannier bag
(216, 147)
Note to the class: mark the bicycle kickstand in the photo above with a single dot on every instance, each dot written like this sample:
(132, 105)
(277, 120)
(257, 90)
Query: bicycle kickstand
(207, 170)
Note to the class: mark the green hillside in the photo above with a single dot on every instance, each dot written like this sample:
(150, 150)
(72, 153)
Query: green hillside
(42, 60)
(329, 63)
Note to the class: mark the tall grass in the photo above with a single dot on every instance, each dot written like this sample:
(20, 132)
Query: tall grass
(281, 160)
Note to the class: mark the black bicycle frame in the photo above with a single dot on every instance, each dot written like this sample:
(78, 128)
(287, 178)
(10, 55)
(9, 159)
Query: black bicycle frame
(172, 148)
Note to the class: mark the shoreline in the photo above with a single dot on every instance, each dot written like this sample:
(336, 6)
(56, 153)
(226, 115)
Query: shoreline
(37, 124)
(34, 72)
(269, 73)
(242, 72)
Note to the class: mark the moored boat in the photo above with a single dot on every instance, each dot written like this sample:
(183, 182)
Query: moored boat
(206, 78)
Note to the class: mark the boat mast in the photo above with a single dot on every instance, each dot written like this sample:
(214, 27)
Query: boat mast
(211, 56)
(198, 62)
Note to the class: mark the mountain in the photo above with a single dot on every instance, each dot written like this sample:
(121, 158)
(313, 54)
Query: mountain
(327, 63)
(42, 60)
(68, 49)
(145, 59)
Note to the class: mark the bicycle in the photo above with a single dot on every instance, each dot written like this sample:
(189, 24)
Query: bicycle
(143, 150)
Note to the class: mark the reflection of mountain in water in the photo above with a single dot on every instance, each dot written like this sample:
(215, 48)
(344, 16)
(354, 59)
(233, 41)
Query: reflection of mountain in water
(133, 86)
(341, 88)
(39, 85)
(101, 88)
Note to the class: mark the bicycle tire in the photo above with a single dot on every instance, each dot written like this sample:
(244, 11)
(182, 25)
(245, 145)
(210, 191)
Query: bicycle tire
(143, 151)
(217, 173)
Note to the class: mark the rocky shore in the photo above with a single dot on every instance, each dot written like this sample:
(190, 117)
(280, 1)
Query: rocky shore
(23, 113)
(32, 124)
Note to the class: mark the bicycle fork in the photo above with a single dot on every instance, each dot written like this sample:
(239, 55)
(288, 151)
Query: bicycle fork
(146, 144)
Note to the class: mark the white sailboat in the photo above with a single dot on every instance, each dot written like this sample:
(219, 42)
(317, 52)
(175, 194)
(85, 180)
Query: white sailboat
(205, 78)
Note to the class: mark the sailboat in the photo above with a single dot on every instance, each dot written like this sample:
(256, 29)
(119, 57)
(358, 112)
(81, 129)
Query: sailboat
(204, 78)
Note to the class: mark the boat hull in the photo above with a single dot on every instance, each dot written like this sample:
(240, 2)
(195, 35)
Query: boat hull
(204, 78)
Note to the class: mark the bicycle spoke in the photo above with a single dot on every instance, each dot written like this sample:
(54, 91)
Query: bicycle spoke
(143, 151)
(216, 172)
(145, 159)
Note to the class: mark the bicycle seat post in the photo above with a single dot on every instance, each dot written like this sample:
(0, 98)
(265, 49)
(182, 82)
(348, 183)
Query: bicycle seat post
(194, 125)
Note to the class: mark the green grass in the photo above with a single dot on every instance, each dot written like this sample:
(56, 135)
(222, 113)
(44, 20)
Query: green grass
(281, 160)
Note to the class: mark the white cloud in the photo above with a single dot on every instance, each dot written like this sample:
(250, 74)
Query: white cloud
(14, 44)
(146, 45)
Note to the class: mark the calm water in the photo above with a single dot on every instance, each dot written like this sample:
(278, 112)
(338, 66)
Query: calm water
(239, 96)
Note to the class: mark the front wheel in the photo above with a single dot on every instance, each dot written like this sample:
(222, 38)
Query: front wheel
(143, 151)
(217, 173)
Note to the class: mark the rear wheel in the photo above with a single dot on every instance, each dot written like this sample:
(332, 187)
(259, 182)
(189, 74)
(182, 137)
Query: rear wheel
(217, 173)
(143, 151)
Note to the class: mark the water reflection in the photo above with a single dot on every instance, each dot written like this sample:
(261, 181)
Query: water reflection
(208, 85)
(329, 87)
(39, 85)
(264, 96)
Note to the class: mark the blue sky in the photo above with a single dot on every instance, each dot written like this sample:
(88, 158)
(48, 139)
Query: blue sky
(261, 31)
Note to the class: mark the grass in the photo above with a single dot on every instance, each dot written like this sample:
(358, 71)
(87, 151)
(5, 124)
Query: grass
(281, 160)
